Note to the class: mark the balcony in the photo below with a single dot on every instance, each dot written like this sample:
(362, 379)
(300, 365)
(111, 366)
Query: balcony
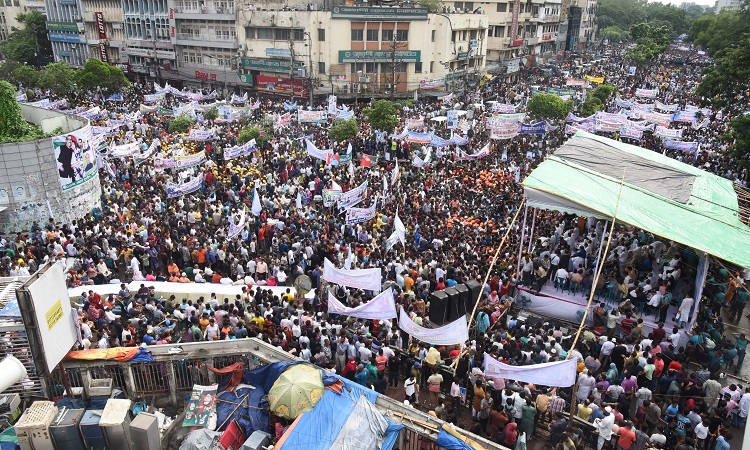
(549, 18)
(205, 13)
(207, 40)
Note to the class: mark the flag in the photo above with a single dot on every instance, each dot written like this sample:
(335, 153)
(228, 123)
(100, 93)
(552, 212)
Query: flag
(365, 161)
(385, 185)
(351, 169)
(395, 174)
(335, 186)
(400, 229)
(333, 159)
(256, 208)
(298, 204)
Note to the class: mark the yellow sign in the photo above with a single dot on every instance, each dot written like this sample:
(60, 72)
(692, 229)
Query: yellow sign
(54, 315)
(594, 79)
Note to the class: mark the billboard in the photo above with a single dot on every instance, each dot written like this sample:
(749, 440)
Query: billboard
(101, 28)
(76, 159)
(47, 316)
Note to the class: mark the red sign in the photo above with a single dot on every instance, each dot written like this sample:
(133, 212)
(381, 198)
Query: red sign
(547, 36)
(279, 85)
(172, 31)
(205, 75)
(516, 43)
(99, 18)
(103, 52)
(514, 19)
(365, 162)
(171, 13)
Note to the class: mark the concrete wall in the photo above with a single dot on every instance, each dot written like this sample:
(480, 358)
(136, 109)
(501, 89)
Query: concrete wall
(29, 179)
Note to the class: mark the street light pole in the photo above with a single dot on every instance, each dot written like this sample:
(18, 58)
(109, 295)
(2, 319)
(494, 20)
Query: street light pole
(310, 66)
(291, 69)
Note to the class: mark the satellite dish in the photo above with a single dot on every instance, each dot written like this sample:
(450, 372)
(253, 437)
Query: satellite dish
(303, 284)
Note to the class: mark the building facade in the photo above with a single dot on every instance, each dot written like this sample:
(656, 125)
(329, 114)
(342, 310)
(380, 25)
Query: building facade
(105, 31)
(728, 4)
(65, 27)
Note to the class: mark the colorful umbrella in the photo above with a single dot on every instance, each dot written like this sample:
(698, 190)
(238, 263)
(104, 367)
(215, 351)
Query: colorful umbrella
(297, 390)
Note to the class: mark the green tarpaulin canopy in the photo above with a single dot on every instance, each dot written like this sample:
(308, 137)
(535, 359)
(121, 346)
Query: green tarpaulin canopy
(660, 195)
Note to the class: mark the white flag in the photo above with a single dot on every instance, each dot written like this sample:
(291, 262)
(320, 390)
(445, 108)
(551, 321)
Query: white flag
(256, 208)
(456, 332)
(399, 229)
(335, 186)
(381, 307)
(394, 175)
(299, 200)
(385, 185)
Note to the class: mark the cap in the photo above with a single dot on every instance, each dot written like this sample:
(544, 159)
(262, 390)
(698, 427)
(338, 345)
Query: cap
(608, 409)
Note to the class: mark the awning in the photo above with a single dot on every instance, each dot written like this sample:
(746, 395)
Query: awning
(660, 195)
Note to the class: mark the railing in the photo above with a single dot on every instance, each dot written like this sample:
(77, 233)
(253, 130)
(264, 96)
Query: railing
(205, 37)
(204, 10)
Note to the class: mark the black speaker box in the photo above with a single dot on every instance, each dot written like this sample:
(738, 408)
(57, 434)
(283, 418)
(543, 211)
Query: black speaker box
(453, 300)
(438, 307)
(464, 295)
(475, 288)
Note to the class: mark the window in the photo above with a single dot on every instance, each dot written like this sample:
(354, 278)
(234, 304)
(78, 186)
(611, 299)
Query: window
(283, 35)
(432, 66)
(265, 33)
(401, 67)
(356, 67)
(371, 67)
(321, 67)
(433, 35)
(321, 34)
(386, 35)
(418, 67)
(372, 35)
(358, 35)
(298, 34)
(402, 35)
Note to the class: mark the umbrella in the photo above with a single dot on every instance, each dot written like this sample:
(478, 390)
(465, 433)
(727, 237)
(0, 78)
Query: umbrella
(297, 390)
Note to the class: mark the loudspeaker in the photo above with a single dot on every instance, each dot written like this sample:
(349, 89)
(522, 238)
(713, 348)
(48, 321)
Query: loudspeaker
(438, 307)
(453, 300)
(474, 289)
(463, 300)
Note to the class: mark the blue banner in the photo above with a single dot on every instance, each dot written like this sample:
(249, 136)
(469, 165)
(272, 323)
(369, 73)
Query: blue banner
(682, 146)
(561, 92)
(290, 107)
(534, 128)
(58, 36)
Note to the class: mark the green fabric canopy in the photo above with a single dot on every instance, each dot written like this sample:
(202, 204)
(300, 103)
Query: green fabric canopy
(660, 195)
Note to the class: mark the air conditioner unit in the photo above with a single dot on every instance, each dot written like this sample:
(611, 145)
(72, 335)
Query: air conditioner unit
(364, 79)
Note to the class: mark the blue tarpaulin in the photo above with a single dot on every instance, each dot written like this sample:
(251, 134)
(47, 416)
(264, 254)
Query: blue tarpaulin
(449, 442)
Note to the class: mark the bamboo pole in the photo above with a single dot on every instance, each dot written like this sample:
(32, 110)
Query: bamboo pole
(601, 264)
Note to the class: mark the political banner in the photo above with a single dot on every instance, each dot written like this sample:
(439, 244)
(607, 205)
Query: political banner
(642, 106)
(282, 120)
(607, 127)
(21, 97)
(75, 157)
(574, 82)
(452, 122)
(143, 157)
(575, 119)
(439, 142)
(556, 373)
(239, 151)
(200, 135)
(164, 112)
(417, 122)
(682, 146)
(200, 406)
(463, 156)
(685, 117)
(503, 108)
(123, 151)
(561, 92)
(153, 98)
(458, 140)
(332, 104)
(456, 332)
(381, 307)
(182, 162)
(660, 119)
(163, 163)
(333, 159)
(631, 133)
(330, 197)
(305, 116)
(346, 158)
(585, 126)
(631, 70)
(352, 197)
(646, 93)
(237, 99)
(148, 109)
(612, 118)
(359, 215)
(366, 279)
(534, 128)
(419, 138)
(497, 119)
(290, 106)
(391, 241)
(504, 133)
(597, 80)
(90, 114)
(315, 152)
(663, 107)
(188, 187)
(235, 228)
(622, 103)
(664, 132)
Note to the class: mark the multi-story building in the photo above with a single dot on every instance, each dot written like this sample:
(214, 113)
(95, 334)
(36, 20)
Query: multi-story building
(587, 32)
(205, 36)
(9, 10)
(728, 4)
(149, 47)
(65, 25)
(360, 50)
(105, 31)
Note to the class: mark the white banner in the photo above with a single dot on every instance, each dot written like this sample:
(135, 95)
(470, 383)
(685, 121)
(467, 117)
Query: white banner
(315, 152)
(456, 332)
(359, 215)
(192, 185)
(311, 116)
(367, 279)
(200, 135)
(557, 373)
(240, 150)
(124, 151)
(648, 93)
(502, 133)
(236, 228)
(381, 307)
(664, 132)
(663, 107)
(352, 197)
(463, 156)
(182, 162)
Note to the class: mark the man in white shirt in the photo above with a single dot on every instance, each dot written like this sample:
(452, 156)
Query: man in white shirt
(604, 427)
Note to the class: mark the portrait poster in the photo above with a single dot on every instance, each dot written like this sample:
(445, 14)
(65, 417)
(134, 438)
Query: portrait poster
(75, 157)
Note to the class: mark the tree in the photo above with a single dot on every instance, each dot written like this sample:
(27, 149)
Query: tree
(13, 126)
(728, 75)
(700, 25)
(29, 44)
(7, 69)
(211, 114)
(739, 131)
(343, 130)
(549, 107)
(726, 29)
(603, 92)
(27, 76)
(251, 132)
(180, 124)
(382, 116)
(58, 77)
(614, 34)
(651, 40)
(97, 74)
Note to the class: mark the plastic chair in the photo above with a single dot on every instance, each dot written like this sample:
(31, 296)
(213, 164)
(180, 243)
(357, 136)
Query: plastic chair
(573, 287)
(560, 284)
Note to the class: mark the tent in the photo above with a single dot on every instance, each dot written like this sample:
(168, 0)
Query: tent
(660, 195)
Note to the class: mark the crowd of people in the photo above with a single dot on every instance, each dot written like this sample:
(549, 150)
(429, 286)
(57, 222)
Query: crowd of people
(636, 388)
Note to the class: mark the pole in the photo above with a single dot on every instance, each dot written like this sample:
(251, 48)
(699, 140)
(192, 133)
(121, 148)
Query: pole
(65, 381)
(291, 69)
(520, 247)
(599, 271)
(531, 235)
(309, 61)
(599, 253)
(393, 68)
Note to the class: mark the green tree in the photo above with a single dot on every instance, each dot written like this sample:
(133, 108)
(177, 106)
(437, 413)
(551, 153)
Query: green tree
(729, 74)
(548, 107)
(250, 132)
(382, 116)
(29, 44)
(651, 40)
(700, 25)
(739, 132)
(58, 77)
(180, 124)
(7, 69)
(343, 130)
(97, 74)
(603, 92)
(27, 76)
(13, 126)
(613, 34)
(726, 29)
(211, 114)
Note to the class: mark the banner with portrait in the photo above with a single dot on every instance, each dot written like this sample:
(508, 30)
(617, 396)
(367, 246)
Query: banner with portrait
(76, 158)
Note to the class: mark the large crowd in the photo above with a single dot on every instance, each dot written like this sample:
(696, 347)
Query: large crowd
(635, 389)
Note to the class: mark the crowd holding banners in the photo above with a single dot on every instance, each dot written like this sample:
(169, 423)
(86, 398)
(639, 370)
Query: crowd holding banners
(454, 213)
